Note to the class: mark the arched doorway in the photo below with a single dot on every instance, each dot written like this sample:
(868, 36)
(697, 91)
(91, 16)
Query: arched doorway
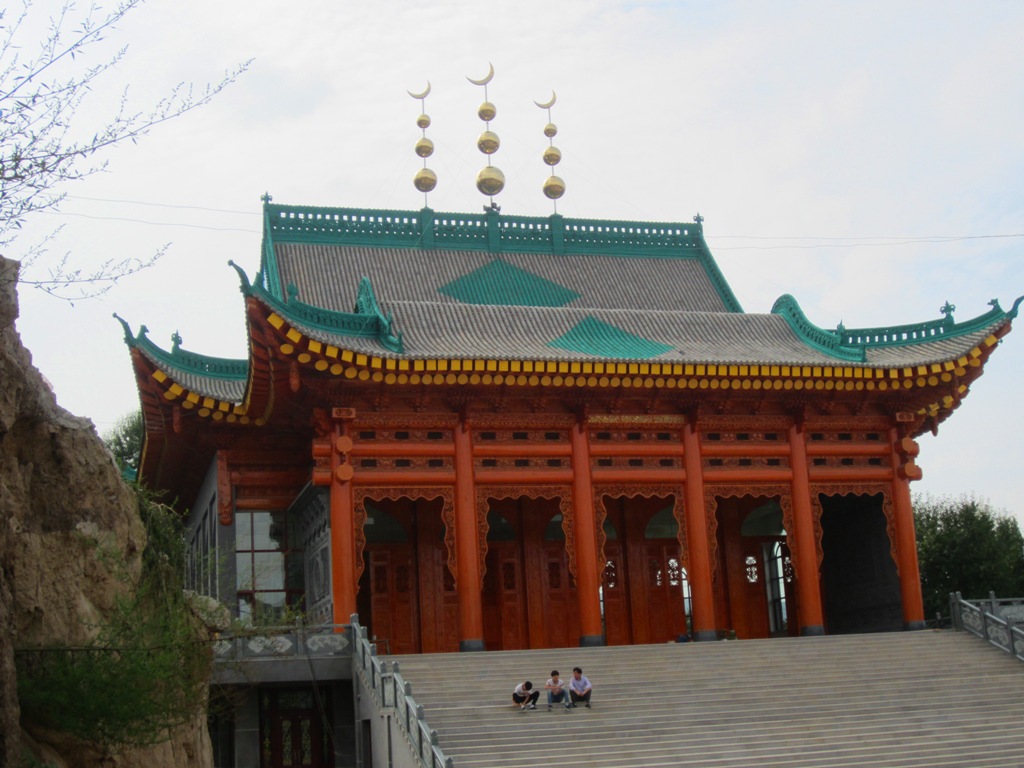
(753, 585)
(529, 596)
(406, 596)
(645, 592)
(859, 581)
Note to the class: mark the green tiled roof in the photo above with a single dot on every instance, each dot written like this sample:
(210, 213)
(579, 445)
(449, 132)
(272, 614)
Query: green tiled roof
(502, 283)
(593, 337)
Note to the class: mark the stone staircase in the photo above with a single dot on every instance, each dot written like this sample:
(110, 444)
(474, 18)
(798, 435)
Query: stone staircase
(929, 698)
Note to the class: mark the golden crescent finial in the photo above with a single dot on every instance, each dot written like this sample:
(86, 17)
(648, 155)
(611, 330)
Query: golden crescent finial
(549, 104)
(421, 95)
(483, 80)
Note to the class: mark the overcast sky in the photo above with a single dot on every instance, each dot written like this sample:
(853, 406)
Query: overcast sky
(864, 157)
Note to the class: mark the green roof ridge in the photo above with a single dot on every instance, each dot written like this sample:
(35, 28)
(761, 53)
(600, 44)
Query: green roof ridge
(504, 284)
(595, 337)
(828, 342)
(489, 231)
(915, 333)
(368, 321)
(183, 360)
(852, 343)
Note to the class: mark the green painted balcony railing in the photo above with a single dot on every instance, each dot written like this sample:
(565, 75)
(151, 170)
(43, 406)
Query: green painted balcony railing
(482, 231)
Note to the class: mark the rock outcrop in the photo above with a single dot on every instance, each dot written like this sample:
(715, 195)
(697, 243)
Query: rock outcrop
(70, 533)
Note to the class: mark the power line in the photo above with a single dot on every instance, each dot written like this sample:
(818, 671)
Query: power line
(861, 241)
(165, 205)
(850, 242)
(152, 223)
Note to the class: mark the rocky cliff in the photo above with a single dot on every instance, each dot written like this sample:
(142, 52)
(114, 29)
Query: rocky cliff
(69, 531)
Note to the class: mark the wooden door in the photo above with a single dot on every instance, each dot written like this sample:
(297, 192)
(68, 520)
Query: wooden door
(558, 609)
(438, 601)
(666, 608)
(504, 599)
(614, 596)
(293, 730)
(747, 573)
(393, 597)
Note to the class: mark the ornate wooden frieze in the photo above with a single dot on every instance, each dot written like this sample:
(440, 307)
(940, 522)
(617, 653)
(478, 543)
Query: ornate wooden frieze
(635, 462)
(225, 502)
(744, 423)
(744, 462)
(640, 434)
(857, 435)
(532, 463)
(853, 489)
(393, 420)
(713, 492)
(484, 436)
(521, 421)
(847, 424)
(367, 435)
(646, 492)
(655, 421)
(367, 466)
(561, 492)
(445, 493)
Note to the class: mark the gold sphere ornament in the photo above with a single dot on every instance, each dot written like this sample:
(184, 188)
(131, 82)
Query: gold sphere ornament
(423, 121)
(550, 130)
(490, 181)
(425, 180)
(488, 142)
(552, 155)
(554, 188)
(487, 111)
(425, 148)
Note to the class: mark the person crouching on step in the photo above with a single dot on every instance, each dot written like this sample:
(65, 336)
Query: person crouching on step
(525, 696)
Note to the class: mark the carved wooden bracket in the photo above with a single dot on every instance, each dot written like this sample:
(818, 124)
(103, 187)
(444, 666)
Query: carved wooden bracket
(712, 494)
(447, 495)
(561, 492)
(853, 489)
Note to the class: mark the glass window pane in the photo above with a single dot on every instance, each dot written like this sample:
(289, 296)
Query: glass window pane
(262, 522)
(243, 531)
(243, 571)
(269, 570)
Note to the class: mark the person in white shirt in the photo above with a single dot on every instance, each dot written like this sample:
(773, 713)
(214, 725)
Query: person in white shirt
(579, 688)
(525, 696)
(556, 690)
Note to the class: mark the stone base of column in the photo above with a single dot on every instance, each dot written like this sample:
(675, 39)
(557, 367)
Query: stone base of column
(471, 645)
(911, 626)
(705, 634)
(812, 630)
(591, 641)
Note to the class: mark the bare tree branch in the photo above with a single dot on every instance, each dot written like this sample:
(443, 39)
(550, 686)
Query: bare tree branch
(41, 130)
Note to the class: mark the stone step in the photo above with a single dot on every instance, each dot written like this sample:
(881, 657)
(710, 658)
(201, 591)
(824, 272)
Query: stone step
(902, 699)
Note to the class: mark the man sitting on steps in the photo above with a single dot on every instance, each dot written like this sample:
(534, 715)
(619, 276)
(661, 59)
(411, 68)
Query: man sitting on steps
(523, 697)
(579, 688)
(556, 690)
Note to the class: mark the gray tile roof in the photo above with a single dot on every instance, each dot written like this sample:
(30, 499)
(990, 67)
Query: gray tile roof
(219, 388)
(328, 275)
(448, 330)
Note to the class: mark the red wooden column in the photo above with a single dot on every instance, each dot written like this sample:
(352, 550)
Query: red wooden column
(588, 579)
(698, 553)
(903, 453)
(343, 539)
(467, 544)
(805, 555)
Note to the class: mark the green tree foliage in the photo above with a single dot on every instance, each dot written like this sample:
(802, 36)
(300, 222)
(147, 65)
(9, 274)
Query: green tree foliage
(965, 546)
(125, 440)
(146, 671)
